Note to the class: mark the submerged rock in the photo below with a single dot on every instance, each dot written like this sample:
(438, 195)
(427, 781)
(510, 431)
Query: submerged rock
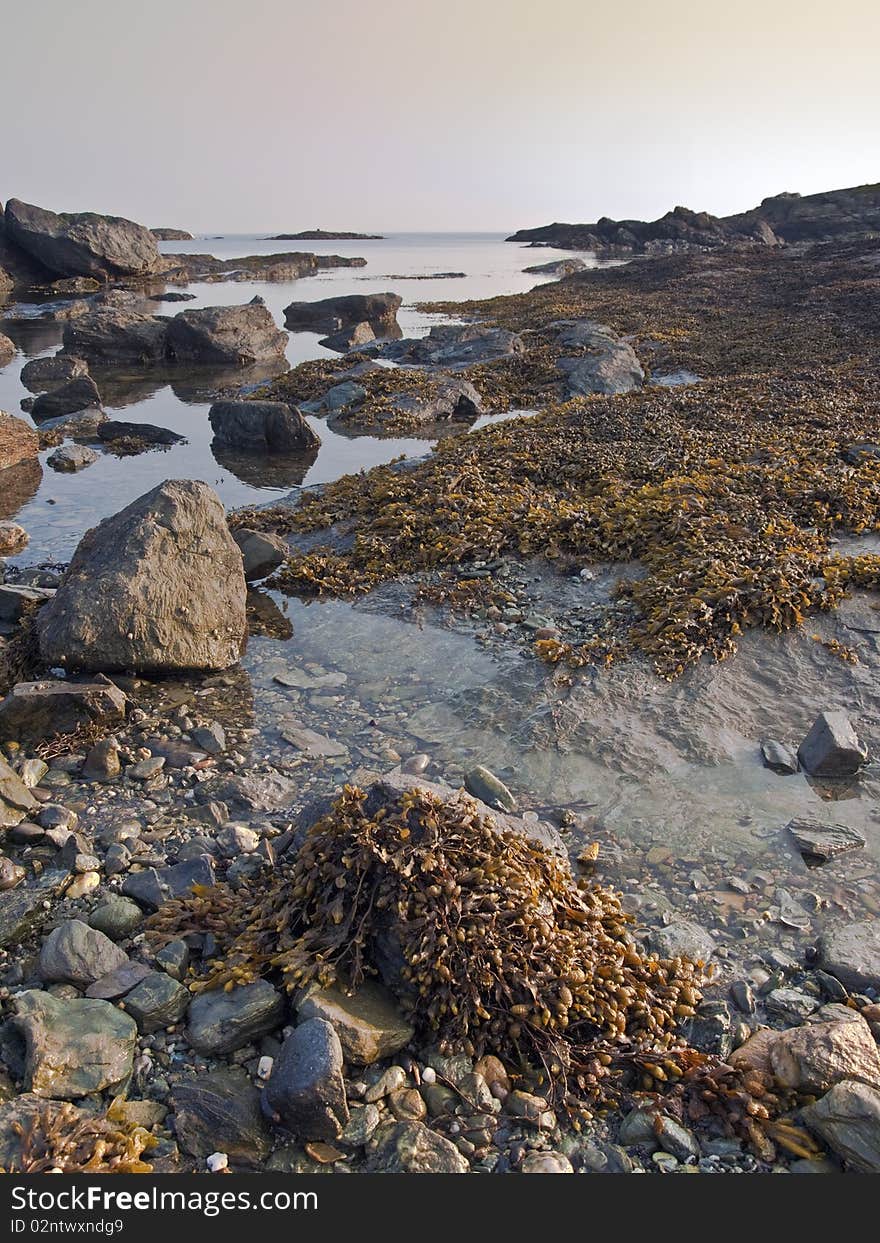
(820, 842)
(485, 786)
(832, 747)
(155, 588)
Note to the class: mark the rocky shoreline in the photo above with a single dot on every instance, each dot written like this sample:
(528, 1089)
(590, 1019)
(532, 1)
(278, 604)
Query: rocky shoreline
(346, 953)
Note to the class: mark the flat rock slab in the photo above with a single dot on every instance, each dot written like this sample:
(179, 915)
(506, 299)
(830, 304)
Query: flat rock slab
(819, 842)
(73, 1047)
(220, 1112)
(848, 1119)
(153, 886)
(36, 710)
(311, 743)
(220, 1022)
(851, 953)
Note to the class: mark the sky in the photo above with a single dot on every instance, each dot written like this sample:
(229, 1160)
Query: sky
(262, 115)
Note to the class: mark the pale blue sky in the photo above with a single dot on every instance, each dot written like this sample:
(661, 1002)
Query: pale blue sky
(269, 115)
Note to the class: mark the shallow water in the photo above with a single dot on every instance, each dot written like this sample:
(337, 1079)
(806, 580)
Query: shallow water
(61, 507)
(668, 778)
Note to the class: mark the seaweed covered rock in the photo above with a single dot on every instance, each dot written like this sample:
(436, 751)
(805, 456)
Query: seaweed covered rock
(157, 587)
(479, 931)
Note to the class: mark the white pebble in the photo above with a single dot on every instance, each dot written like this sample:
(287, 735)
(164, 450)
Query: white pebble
(264, 1067)
(216, 1162)
(429, 1075)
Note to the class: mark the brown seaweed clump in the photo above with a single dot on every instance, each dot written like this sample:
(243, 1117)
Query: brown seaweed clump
(60, 1138)
(483, 935)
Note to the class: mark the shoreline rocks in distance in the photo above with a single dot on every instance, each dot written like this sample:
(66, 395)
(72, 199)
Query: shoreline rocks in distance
(331, 315)
(783, 219)
(171, 235)
(324, 235)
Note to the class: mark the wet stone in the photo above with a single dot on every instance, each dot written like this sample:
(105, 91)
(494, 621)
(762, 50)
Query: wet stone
(682, 939)
(306, 1091)
(73, 1047)
(152, 887)
(220, 1022)
(411, 1148)
(791, 1004)
(173, 958)
(157, 1002)
(848, 1119)
(851, 953)
(76, 953)
(819, 842)
(117, 918)
(221, 1111)
(119, 982)
(484, 785)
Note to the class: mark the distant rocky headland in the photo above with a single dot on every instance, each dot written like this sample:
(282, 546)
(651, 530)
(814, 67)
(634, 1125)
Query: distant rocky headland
(322, 235)
(80, 252)
(784, 219)
(171, 235)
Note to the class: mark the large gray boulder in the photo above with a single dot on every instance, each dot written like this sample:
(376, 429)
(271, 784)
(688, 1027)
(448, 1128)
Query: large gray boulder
(112, 335)
(82, 243)
(330, 315)
(226, 335)
(851, 953)
(156, 588)
(74, 953)
(260, 427)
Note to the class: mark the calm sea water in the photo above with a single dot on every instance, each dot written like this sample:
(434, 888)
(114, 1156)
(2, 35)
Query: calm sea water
(62, 507)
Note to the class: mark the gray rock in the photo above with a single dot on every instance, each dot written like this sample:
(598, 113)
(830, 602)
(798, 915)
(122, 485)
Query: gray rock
(158, 587)
(18, 443)
(412, 1148)
(117, 918)
(453, 345)
(604, 363)
(102, 761)
(261, 552)
(109, 430)
(82, 243)
(306, 1092)
(484, 785)
(119, 982)
(557, 267)
(220, 1112)
(329, 315)
(157, 1002)
(73, 1047)
(115, 335)
(226, 335)
(72, 458)
(36, 710)
(832, 747)
(791, 1004)
(546, 1162)
(820, 842)
(814, 1057)
(22, 910)
(340, 397)
(153, 886)
(779, 757)
(210, 738)
(220, 1022)
(851, 953)
(349, 338)
(260, 427)
(445, 398)
(682, 939)
(369, 1024)
(173, 958)
(41, 373)
(848, 1119)
(77, 394)
(78, 954)
(16, 799)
